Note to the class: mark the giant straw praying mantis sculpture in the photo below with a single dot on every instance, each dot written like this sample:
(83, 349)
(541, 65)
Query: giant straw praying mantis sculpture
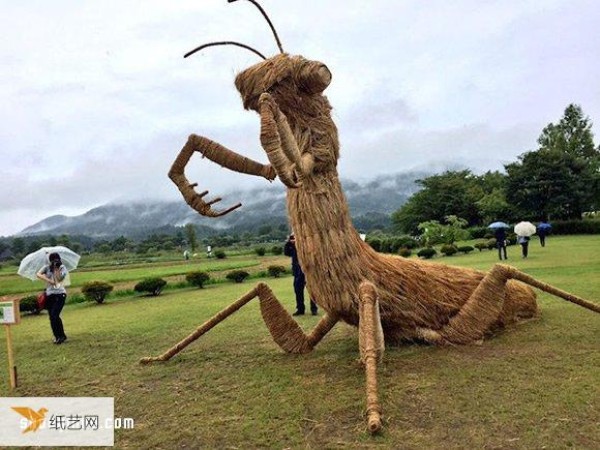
(389, 299)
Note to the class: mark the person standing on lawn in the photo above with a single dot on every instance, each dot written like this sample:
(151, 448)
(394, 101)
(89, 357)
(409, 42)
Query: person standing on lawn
(54, 274)
(500, 234)
(299, 278)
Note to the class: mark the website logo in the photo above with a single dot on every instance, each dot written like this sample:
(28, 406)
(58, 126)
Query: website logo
(59, 421)
(35, 418)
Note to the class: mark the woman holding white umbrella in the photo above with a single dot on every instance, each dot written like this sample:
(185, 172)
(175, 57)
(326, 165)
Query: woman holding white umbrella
(52, 265)
(54, 274)
(524, 230)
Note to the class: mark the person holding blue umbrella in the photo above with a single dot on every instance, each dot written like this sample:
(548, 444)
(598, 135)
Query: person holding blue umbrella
(543, 229)
(500, 235)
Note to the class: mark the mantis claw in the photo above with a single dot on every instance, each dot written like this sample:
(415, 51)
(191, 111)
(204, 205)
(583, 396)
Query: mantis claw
(220, 155)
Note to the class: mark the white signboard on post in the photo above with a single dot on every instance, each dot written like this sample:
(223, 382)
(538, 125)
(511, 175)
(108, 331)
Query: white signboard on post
(9, 312)
(9, 315)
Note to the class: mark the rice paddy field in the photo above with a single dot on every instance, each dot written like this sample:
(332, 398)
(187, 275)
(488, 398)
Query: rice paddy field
(531, 387)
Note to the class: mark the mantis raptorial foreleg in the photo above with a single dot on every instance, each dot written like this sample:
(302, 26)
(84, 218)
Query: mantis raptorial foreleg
(271, 142)
(222, 156)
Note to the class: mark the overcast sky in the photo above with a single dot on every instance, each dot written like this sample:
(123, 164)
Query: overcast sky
(97, 99)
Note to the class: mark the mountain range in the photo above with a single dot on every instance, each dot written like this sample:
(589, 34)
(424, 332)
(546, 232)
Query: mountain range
(371, 203)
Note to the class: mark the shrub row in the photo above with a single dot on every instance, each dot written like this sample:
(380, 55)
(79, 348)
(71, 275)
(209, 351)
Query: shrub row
(97, 291)
(260, 251)
(588, 226)
(391, 244)
(585, 226)
(449, 250)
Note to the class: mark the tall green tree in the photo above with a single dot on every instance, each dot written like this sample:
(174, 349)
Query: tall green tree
(493, 206)
(190, 234)
(572, 135)
(64, 239)
(447, 194)
(179, 239)
(432, 232)
(120, 244)
(561, 179)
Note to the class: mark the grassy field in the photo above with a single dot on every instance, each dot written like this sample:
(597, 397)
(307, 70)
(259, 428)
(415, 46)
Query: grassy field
(535, 386)
(11, 283)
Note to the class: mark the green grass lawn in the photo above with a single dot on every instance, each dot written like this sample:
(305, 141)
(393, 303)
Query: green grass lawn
(535, 386)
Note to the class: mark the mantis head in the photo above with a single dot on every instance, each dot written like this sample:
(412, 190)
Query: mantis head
(292, 85)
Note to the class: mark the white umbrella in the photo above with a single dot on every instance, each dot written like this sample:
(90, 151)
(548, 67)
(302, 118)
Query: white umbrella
(32, 263)
(525, 229)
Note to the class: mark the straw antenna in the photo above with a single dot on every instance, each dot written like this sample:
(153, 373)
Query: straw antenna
(255, 3)
(212, 44)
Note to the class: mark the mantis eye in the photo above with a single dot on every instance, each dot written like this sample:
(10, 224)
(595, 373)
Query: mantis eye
(313, 77)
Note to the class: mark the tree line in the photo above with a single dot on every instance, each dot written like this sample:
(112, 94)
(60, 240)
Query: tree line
(184, 238)
(560, 180)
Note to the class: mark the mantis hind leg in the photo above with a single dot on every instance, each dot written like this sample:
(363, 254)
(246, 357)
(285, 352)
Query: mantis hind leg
(495, 302)
(285, 331)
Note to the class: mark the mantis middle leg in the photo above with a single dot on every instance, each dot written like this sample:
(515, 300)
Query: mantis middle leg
(371, 344)
(285, 331)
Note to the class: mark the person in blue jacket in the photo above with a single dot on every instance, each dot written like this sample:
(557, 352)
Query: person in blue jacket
(542, 231)
(500, 234)
(299, 279)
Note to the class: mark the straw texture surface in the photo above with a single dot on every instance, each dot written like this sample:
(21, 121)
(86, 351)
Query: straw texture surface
(390, 299)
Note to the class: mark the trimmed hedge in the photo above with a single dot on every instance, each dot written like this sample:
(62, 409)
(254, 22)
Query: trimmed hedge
(96, 291)
(197, 278)
(481, 246)
(403, 242)
(391, 244)
(275, 271)
(237, 276)
(427, 253)
(448, 249)
(405, 252)
(586, 226)
(152, 286)
(29, 305)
